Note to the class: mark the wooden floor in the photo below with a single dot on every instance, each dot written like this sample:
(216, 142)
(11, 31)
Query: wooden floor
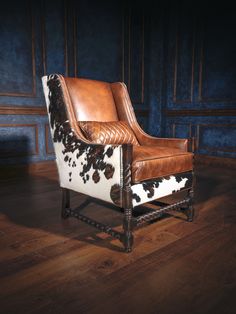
(52, 266)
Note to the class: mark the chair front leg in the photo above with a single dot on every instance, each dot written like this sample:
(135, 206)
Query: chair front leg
(128, 238)
(65, 203)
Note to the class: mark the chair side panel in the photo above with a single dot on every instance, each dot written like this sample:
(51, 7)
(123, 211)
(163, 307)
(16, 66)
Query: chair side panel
(91, 169)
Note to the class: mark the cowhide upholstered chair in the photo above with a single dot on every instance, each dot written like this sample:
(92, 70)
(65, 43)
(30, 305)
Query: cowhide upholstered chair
(101, 151)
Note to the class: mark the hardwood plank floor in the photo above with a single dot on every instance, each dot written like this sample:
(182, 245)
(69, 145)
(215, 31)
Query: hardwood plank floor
(48, 265)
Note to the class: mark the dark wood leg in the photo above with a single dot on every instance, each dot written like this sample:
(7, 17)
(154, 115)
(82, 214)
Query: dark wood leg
(65, 203)
(127, 236)
(190, 209)
(127, 225)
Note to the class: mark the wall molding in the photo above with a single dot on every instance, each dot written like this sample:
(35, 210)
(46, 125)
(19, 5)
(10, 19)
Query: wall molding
(189, 125)
(201, 112)
(75, 17)
(47, 132)
(43, 38)
(128, 27)
(175, 72)
(17, 154)
(200, 128)
(32, 39)
(215, 161)
(75, 38)
(202, 67)
(17, 110)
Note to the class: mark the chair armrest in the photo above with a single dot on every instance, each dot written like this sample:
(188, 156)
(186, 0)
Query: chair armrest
(126, 113)
(183, 144)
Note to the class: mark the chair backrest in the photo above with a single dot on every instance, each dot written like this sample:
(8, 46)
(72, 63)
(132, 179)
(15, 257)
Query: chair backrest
(92, 100)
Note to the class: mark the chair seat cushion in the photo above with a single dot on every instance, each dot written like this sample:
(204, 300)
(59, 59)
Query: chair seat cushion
(112, 132)
(150, 162)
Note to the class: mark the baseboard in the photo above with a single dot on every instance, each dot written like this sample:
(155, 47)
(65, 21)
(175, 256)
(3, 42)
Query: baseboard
(215, 161)
(15, 171)
(42, 166)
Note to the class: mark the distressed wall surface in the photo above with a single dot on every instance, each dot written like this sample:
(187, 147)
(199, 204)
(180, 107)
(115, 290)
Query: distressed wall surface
(178, 63)
(201, 77)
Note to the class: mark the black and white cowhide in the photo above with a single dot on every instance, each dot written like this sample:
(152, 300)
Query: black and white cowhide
(151, 190)
(91, 169)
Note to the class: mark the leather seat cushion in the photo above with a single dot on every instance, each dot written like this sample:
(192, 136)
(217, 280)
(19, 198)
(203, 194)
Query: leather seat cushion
(151, 162)
(115, 132)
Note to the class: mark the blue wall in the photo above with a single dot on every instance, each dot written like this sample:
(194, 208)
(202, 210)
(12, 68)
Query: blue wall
(178, 63)
(201, 76)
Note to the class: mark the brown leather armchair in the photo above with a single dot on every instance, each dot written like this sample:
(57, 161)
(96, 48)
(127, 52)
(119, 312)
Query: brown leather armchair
(101, 151)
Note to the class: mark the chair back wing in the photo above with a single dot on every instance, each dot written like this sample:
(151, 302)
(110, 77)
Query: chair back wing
(92, 100)
(125, 109)
(101, 101)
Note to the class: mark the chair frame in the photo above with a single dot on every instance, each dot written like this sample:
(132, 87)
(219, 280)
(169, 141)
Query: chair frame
(129, 222)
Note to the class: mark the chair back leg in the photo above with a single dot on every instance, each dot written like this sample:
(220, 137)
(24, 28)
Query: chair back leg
(65, 208)
(190, 210)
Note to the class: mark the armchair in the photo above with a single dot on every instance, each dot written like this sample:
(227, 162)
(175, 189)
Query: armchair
(101, 151)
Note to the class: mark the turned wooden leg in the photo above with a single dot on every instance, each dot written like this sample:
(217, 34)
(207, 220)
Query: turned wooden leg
(127, 225)
(65, 203)
(190, 209)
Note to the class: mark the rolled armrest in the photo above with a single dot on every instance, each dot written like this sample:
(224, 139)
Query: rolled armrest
(183, 144)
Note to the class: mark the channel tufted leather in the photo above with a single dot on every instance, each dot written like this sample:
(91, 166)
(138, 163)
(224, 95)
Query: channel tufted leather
(113, 132)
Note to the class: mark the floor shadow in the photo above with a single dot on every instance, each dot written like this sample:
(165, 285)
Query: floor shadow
(35, 202)
(15, 152)
(216, 181)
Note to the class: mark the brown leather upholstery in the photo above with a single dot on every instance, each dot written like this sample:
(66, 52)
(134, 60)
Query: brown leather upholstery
(89, 100)
(92, 100)
(116, 132)
(151, 162)
(126, 113)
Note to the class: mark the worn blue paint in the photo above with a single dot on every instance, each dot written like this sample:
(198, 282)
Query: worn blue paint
(154, 65)
(219, 79)
(18, 49)
(215, 135)
(20, 36)
(201, 74)
(23, 139)
(55, 37)
(17, 140)
(98, 40)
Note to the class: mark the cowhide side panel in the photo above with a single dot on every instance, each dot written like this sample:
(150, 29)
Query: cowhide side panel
(92, 169)
(151, 190)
